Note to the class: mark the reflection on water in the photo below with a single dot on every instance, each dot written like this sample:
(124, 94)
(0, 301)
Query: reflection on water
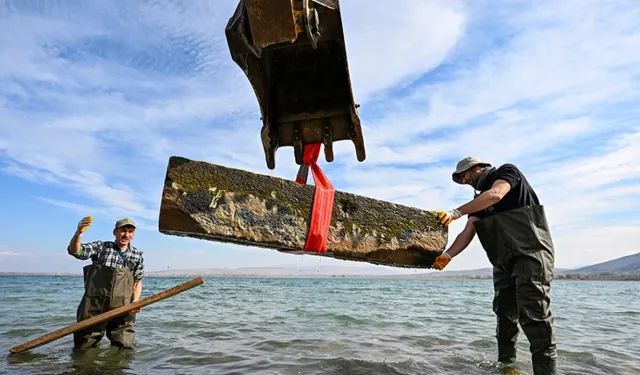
(97, 360)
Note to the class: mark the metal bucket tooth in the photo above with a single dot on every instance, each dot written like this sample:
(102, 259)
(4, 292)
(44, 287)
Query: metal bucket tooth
(293, 53)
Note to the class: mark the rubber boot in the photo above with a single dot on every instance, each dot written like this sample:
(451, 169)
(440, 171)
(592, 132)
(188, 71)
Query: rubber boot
(543, 365)
(507, 354)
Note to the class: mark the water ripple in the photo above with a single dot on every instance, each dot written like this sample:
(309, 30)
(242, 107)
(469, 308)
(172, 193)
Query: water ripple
(321, 326)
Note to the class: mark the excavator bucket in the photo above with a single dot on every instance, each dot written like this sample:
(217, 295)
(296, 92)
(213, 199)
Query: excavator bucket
(293, 53)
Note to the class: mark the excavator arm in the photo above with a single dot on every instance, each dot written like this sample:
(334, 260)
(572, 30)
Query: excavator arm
(293, 53)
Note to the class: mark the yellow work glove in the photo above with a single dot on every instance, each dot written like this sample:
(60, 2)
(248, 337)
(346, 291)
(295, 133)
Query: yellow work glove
(446, 217)
(84, 224)
(441, 261)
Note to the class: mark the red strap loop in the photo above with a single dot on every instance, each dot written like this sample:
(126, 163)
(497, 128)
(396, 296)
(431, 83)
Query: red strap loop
(322, 200)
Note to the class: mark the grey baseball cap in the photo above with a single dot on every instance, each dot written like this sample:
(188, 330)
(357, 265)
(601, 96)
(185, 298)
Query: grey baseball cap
(465, 164)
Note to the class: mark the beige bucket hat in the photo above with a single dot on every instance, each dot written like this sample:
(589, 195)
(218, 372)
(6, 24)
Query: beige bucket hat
(465, 164)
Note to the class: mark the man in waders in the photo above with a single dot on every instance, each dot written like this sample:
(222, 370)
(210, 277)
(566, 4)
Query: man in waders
(113, 279)
(513, 230)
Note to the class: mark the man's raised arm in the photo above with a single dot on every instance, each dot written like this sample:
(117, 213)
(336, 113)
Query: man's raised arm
(75, 247)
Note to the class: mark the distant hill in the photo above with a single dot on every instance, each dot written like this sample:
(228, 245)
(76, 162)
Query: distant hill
(464, 273)
(629, 264)
(479, 272)
(624, 268)
(279, 271)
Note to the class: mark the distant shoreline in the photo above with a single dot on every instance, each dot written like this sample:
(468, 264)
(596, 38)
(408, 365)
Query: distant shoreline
(570, 277)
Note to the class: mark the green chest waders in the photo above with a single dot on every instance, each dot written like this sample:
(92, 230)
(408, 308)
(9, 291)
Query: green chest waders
(518, 244)
(106, 288)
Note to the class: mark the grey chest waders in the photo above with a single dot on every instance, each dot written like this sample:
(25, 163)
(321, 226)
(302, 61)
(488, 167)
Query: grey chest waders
(521, 232)
(518, 244)
(106, 288)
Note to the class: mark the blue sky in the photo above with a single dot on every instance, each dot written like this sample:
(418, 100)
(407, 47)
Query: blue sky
(95, 98)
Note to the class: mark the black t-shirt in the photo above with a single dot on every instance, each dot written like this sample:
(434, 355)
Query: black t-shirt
(521, 193)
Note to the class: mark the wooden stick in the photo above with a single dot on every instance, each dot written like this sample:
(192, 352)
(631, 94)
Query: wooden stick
(106, 316)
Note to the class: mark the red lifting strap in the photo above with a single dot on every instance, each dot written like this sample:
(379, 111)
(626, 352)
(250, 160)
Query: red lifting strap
(322, 200)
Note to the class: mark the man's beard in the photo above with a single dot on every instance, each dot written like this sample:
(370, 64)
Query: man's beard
(481, 177)
(475, 183)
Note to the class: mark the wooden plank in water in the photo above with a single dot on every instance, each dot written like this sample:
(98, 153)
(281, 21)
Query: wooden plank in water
(55, 335)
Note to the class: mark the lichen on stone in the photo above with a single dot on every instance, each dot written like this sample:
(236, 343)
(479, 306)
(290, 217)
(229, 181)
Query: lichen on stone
(243, 207)
(217, 194)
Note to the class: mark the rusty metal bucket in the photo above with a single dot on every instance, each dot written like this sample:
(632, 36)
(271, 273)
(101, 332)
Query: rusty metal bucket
(293, 53)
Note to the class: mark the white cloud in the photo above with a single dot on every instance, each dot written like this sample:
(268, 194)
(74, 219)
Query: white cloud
(554, 99)
(559, 63)
(584, 244)
(392, 43)
(94, 100)
(4, 252)
(119, 101)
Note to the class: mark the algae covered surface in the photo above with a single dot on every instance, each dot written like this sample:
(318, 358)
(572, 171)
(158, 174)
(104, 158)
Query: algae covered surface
(218, 203)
